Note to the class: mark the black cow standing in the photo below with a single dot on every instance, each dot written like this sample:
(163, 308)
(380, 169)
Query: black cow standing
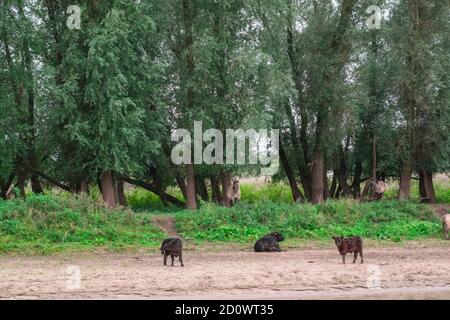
(172, 247)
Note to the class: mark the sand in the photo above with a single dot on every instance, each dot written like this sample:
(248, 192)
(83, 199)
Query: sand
(398, 272)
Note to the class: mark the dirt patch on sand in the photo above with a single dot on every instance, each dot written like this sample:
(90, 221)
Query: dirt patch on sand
(408, 271)
(166, 224)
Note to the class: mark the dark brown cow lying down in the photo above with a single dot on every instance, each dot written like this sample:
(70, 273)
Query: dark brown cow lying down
(269, 243)
(349, 245)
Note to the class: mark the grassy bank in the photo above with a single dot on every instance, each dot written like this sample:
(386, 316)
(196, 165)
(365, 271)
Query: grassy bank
(384, 220)
(44, 224)
(62, 222)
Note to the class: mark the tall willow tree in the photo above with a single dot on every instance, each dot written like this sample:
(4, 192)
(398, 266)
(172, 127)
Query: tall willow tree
(316, 41)
(20, 44)
(104, 75)
(239, 86)
(220, 77)
(97, 105)
(420, 42)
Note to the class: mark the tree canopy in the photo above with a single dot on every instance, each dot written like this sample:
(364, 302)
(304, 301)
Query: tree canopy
(93, 97)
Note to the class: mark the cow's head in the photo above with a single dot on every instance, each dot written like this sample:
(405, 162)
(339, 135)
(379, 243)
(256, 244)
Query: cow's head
(338, 240)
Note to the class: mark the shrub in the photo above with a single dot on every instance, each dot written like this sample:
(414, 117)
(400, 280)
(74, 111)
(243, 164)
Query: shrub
(388, 219)
(52, 222)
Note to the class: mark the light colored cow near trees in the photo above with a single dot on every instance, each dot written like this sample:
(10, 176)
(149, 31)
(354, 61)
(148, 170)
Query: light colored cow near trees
(446, 226)
(236, 191)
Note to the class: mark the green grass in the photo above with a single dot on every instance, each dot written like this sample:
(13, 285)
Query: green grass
(269, 207)
(273, 192)
(442, 193)
(48, 223)
(62, 222)
(390, 219)
(441, 189)
(141, 200)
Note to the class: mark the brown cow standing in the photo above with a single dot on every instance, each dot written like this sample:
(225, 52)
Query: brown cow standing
(349, 245)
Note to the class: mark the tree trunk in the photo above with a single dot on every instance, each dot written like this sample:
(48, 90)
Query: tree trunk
(181, 184)
(82, 188)
(157, 182)
(215, 190)
(226, 190)
(337, 195)
(427, 189)
(178, 177)
(121, 194)
(21, 179)
(356, 184)
(202, 191)
(36, 184)
(159, 190)
(191, 196)
(305, 180)
(422, 193)
(342, 178)
(6, 187)
(305, 176)
(296, 193)
(108, 189)
(405, 182)
(346, 191)
(343, 175)
(374, 159)
(317, 177)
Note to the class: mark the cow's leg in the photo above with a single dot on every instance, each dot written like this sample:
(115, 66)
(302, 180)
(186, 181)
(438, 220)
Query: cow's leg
(181, 259)
(355, 255)
(361, 255)
(165, 258)
(343, 257)
(173, 259)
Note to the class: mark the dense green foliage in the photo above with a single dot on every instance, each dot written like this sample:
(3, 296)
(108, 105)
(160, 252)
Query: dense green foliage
(98, 104)
(48, 223)
(391, 220)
